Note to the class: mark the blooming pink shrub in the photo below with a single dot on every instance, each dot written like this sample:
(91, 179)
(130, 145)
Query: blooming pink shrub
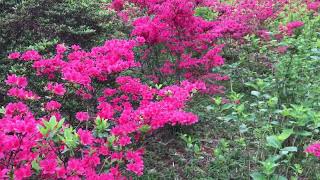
(314, 149)
(14, 55)
(87, 117)
(98, 142)
(82, 116)
(313, 6)
(176, 44)
(56, 88)
(170, 29)
(14, 80)
(290, 27)
(30, 55)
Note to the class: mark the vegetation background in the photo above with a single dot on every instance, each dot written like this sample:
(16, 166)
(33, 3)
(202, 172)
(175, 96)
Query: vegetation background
(258, 128)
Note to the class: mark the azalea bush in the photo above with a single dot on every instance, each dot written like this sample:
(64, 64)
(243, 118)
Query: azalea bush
(176, 44)
(40, 25)
(243, 73)
(41, 139)
(185, 39)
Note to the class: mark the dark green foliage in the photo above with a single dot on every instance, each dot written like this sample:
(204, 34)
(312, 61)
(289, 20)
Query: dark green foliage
(30, 22)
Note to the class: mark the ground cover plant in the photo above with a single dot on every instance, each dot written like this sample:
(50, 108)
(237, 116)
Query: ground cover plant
(168, 89)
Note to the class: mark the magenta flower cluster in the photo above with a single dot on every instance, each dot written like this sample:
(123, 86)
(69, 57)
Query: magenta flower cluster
(129, 107)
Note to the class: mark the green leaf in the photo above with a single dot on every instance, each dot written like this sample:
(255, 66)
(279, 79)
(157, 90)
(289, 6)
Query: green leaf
(240, 108)
(101, 124)
(196, 148)
(206, 13)
(46, 123)
(274, 158)
(290, 149)
(298, 168)
(243, 128)
(250, 84)
(43, 130)
(70, 137)
(111, 139)
(226, 106)
(278, 177)
(145, 128)
(273, 142)
(53, 119)
(286, 150)
(52, 123)
(273, 101)
(269, 166)
(258, 176)
(158, 86)
(210, 108)
(286, 133)
(60, 123)
(35, 165)
(218, 100)
(2, 110)
(255, 93)
(304, 133)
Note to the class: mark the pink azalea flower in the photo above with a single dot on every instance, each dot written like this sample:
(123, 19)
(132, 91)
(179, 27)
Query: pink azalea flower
(85, 136)
(14, 55)
(52, 105)
(22, 173)
(82, 116)
(14, 80)
(48, 166)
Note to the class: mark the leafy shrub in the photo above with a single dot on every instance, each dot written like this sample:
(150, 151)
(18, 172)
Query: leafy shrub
(276, 112)
(104, 136)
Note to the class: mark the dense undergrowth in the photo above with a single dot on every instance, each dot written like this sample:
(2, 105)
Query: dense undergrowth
(172, 89)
